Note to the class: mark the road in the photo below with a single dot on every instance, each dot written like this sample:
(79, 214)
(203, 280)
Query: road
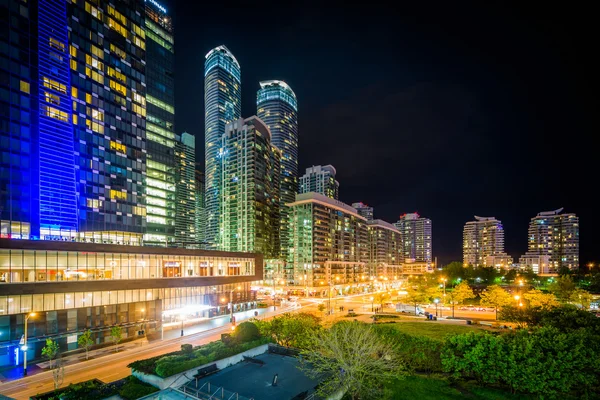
(113, 367)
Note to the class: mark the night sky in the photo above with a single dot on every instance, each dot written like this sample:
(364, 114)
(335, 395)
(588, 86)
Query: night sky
(450, 111)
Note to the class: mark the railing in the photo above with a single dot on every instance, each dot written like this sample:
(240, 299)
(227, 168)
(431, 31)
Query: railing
(211, 392)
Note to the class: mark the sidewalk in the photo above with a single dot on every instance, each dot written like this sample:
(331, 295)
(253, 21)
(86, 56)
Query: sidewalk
(173, 332)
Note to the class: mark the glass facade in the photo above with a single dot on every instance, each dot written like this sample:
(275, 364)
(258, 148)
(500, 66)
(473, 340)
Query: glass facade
(161, 182)
(278, 108)
(222, 98)
(185, 219)
(250, 189)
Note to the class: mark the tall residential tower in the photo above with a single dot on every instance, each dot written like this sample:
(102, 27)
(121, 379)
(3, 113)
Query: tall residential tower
(416, 238)
(277, 107)
(320, 179)
(483, 243)
(555, 236)
(222, 101)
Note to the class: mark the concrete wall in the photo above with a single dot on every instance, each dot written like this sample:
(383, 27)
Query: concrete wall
(185, 376)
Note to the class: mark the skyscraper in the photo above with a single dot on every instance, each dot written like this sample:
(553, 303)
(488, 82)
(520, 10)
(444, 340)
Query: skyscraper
(185, 191)
(385, 249)
(556, 236)
(364, 210)
(250, 189)
(162, 165)
(416, 238)
(277, 107)
(222, 98)
(320, 179)
(200, 214)
(483, 243)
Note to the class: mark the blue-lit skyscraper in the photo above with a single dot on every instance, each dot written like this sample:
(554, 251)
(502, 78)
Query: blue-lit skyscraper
(222, 98)
(277, 107)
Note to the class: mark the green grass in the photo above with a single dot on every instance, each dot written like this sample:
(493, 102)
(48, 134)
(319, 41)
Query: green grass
(432, 329)
(437, 388)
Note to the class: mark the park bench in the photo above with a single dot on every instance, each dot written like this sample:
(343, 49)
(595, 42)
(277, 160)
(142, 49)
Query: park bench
(202, 372)
(254, 360)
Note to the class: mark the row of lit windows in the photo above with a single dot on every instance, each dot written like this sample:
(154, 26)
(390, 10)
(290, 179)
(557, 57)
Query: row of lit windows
(118, 146)
(117, 194)
(118, 87)
(55, 113)
(116, 74)
(118, 51)
(55, 44)
(160, 104)
(54, 85)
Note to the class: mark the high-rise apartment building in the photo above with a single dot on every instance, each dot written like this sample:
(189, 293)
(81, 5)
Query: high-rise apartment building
(277, 107)
(222, 101)
(185, 191)
(554, 235)
(385, 250)
(162, 164)
(483, 242)
(364, 210)
(250, 189)
(416, 238)
(329, 243)
(320, 179)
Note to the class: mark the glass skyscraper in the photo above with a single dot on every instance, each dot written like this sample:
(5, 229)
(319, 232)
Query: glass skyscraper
(162, 162)
(277, 106)
(222, 98)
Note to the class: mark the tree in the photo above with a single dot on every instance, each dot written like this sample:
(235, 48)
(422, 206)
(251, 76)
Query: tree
(246, 332)
(460, 293)
(116, 333)
(291, 330)
(50, 351)
(496, 297)
(538, 299)
(563, 287)
(455, 271)
(58, 375)
(415, 296)
(86, 341)
(321, 307)
(522, 316)
(380, 298)
(351, 357)
(581, 297)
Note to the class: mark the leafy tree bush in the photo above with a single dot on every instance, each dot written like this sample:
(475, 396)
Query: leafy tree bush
(246, 332)
(134, 389)
(290, 330)
(419, 353)
(545, 362)
(187, 348)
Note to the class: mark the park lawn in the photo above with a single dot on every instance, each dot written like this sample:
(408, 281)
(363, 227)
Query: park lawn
(437, 388)
(434, 330)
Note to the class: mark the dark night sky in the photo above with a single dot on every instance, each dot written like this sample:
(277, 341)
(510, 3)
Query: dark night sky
(451, 111)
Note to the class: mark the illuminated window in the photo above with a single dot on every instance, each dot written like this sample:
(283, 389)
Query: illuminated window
(117, 194)
(139, 210)
(98, 115)
(93, 10)
(138, 109)
(97, 52)
(93, 203)
(139, 99)
(74, 119)
(118, 87)
(118, 147)
(139, 42)
(88, 98)
(55, 44)
(118, 51)
(161, 104)
(73, 64)
(73, 51)
(74, 92)
(117, 27)
(55, 113)
(24, 86)
(52, 98)
(116, 74)
(117, 15)
(52, 84)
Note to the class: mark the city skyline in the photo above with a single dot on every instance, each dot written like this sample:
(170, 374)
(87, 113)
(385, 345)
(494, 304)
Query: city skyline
(337, 98)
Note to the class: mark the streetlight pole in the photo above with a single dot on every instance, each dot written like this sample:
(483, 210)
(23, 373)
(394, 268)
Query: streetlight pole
(436, 303)
(25, 343)
(231, 302)
(181, 324)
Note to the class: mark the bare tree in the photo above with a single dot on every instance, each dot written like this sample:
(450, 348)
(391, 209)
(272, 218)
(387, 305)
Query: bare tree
(351, 358)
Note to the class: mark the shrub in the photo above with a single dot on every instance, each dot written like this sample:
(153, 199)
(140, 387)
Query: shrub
(246, 332)
(134, 389)
(187, 348)
(418, 353)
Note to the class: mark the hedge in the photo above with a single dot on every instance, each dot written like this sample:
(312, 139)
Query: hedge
(179, 361)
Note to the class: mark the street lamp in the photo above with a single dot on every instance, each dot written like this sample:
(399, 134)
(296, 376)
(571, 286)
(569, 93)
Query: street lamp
(436, 301)
(181, 317)
(517, 298)
(372, 309)
(24, 348)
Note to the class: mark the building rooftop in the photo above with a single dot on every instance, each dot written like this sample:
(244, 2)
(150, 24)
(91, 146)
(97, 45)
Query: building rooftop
(383, 224)
(225, 50)
(312, 197)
